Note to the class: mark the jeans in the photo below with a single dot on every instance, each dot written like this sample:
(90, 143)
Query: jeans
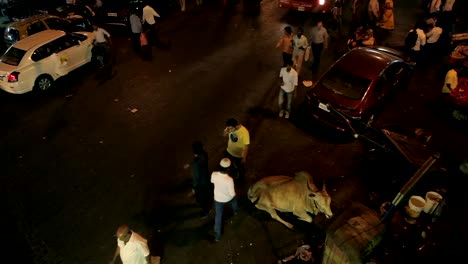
(281, 96)
(219, 208)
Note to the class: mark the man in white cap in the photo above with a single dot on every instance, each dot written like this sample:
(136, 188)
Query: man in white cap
(223, 193)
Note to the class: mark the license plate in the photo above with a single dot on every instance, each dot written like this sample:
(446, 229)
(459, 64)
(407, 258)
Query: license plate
(300, 8)
(324, 107)
(112, 14)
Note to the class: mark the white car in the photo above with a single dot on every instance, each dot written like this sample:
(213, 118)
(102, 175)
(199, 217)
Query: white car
(37, 61)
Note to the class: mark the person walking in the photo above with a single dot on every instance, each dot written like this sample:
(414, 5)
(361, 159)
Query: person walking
(202, 187)
(131, 247)
(285, 43)
(224, 193)
(135, 24)
(420, 41)
(319, 40)
(450, 83)
(238, 146)
(149, 23)
(432, 39)
(373, 12)
(182, 5)
(299, 45)
(388, 21)
(288, 88)
(101, 45)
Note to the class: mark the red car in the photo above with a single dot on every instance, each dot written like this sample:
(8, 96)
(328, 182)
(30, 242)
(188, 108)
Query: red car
(314, 6)
(356, 87)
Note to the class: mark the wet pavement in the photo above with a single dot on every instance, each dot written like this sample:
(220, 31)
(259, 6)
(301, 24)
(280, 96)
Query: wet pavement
(94, 153)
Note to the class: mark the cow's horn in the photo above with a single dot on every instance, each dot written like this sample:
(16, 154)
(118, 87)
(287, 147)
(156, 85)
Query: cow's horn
(324, 189)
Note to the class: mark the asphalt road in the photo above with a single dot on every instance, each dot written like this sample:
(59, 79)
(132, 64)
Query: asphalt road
(91, 154)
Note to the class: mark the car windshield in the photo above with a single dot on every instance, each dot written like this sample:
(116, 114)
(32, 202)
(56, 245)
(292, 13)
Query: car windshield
(345, 83)
(13, 56)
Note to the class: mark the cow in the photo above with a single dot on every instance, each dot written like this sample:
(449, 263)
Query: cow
(287, 194)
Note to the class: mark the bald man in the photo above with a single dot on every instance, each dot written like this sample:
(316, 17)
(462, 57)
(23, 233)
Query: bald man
(132, 248)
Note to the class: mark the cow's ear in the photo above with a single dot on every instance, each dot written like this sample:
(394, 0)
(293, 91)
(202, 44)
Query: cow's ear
(311, 194)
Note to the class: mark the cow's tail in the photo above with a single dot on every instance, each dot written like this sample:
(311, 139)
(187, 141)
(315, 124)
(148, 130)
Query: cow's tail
(255, 191)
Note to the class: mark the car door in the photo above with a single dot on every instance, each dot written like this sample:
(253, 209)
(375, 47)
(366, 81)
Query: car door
(69, 51)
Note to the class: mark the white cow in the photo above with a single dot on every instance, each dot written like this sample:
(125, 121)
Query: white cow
(287, 194)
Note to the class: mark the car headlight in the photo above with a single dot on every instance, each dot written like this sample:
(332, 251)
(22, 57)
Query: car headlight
(321, 2)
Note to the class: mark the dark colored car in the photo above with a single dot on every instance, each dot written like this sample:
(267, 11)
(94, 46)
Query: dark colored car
(356, 87)
(117, 12)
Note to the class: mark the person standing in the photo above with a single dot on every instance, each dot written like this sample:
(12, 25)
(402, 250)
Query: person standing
(451, 82)
(285, 43)
(224, 193)
(432, 38)
(131, 247)
(388, 21)
(149, 23)
(299, 44)
(420, 41)
(373, 11)
(135, 24)
(101, 45)
(319, 39)
(337, 12)
(288, 88)
(434, 6)
(202, 187)
(238, 146)
(182, 5)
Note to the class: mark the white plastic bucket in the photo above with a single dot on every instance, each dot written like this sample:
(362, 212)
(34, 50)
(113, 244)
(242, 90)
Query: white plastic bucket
(432, 200)
(415, 205)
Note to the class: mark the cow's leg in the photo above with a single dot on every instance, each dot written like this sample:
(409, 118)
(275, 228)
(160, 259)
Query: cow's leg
(273, 214)
(304, 216)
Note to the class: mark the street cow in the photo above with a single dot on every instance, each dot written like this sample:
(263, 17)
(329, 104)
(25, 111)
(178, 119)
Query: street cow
(287, 194)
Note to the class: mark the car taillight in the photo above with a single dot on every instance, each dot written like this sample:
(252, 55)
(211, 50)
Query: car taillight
(13, 77)
(321, 2)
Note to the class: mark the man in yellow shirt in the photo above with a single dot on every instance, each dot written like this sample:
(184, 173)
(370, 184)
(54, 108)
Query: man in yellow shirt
(451, 81)
(238, 145)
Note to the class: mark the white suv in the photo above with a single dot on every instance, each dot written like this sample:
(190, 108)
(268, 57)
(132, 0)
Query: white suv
(37, 61)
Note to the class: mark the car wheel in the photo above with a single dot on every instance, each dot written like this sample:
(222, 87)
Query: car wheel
(44, 83)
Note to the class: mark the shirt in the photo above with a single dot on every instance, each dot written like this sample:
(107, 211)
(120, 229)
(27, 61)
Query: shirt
(135, 23)
(452, 79)
(289, 79)
(134, 251)
(223, 187)
(319, 35)
(149, 14)
(421, 41)
(433, 35)
(99, 35)
(238, 140)
(299, 42)
(434, 6)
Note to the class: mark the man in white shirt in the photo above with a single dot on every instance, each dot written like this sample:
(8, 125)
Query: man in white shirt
(288, 88)
(432, 38)
(101, 42)
(373, 11)
(132, 248)
(224, 193)
(135, 24)
(149, 23)
(319, 40)
(300, 43)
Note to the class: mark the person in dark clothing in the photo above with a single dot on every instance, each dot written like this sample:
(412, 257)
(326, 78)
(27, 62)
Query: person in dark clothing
(202, 187)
